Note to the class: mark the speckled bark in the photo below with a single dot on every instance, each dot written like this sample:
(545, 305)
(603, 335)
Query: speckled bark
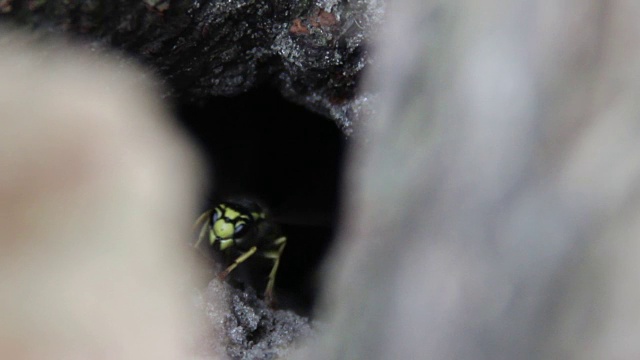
(313, 51)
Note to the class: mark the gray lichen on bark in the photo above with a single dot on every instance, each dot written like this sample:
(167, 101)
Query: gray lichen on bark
(246, 328)
(313, 51)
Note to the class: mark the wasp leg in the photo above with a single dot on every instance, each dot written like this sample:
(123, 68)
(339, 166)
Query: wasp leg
(237, 262)
(202, 222)
(275, 255)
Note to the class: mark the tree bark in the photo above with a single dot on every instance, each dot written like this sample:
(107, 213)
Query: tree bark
(313, 52)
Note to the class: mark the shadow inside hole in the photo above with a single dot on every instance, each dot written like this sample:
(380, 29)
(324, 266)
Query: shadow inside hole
(288, 158)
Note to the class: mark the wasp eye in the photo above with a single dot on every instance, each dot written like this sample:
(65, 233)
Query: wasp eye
(240, 229)
(215, 216)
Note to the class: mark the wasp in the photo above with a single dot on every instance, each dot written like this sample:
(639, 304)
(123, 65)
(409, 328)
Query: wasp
(241, 228)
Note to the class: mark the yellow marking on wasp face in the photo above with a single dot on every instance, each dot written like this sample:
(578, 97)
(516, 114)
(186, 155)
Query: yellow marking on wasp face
(222, 229)
(212, 237)
(225, 244)
(231, 213)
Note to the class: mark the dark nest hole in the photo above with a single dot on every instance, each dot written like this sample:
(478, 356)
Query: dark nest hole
(260, 146)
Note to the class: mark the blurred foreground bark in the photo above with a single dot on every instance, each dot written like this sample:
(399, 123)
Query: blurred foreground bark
(494, 212)
(97, 193)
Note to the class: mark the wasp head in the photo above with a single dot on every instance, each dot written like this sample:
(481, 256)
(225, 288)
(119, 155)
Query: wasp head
(228, 223)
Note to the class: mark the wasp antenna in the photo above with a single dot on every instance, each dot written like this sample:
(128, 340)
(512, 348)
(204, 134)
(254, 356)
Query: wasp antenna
(201, 223)
(201, 219)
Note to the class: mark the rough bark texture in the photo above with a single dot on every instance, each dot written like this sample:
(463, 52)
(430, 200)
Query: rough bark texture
(246, 328)
(494, 212)
(312, 51)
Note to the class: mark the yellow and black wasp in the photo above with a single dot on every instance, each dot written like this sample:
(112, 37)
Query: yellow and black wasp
(241, 228)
